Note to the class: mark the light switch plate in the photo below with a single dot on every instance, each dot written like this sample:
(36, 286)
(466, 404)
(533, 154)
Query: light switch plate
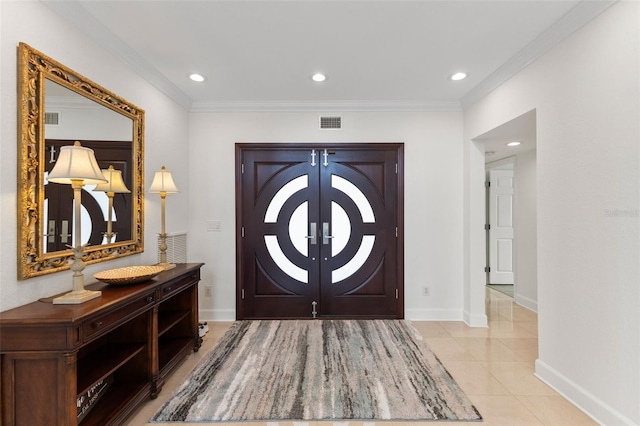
(214, 226)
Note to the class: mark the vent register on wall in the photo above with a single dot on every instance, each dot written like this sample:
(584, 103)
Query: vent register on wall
(331, 122)
(52, 118)
(176, 247)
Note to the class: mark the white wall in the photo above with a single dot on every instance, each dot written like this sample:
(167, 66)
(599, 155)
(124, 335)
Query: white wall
(433, 197)
(88, 123)
(525, 230)
(166, 138)
(586, 95)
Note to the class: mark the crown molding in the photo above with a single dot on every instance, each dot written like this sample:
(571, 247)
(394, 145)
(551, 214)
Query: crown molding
(572, 21)
(325, 106)
(72, 102)
(79, 17)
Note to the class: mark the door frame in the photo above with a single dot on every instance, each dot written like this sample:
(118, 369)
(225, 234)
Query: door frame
(240, 147)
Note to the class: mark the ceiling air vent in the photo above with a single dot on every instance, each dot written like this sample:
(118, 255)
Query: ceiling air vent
(52, 118)
(331, 122)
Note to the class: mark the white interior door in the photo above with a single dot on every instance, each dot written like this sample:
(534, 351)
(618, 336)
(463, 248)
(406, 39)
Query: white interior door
(501, 227)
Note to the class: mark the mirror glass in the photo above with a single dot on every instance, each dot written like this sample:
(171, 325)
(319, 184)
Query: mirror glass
(70, 117)
(58, 107)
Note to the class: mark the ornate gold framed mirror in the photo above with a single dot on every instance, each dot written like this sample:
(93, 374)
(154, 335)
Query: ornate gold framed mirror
(57, 106)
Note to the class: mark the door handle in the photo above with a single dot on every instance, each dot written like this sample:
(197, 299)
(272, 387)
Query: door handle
(64, 234)
(51, 232)
(325, 233)
(312, 232)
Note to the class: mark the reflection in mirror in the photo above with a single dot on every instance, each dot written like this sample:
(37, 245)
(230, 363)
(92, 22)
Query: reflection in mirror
(70, 117)
(58, 106)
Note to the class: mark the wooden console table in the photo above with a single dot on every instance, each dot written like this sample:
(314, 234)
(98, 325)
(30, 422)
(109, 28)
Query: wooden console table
(94, 363)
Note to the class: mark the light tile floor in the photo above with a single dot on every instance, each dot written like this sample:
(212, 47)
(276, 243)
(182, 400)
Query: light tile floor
(493, 365)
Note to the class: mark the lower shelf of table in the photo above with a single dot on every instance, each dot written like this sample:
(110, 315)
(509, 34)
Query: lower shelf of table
(120, 400)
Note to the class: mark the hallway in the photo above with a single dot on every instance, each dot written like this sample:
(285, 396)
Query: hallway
(495, 366)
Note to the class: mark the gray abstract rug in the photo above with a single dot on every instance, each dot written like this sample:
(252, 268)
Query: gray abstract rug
(319, 370)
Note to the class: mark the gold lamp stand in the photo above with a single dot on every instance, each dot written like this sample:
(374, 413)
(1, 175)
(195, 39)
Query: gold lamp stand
(163, 184)
(114, 185)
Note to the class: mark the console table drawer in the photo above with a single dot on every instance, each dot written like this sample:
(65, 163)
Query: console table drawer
(104, 323)
(177, 285)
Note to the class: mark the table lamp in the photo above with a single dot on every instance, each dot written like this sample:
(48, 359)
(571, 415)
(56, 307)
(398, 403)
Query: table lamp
(163, 184)
(114, 185)
(76, 166)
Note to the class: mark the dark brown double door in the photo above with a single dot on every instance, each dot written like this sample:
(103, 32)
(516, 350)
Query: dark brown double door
(319, 230)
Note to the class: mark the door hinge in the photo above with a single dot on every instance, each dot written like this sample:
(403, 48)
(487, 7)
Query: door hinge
(487, 269)
(396, 168)
(243, 294)
(242, 232)
(396, 232)
(242, 168)
(396, 293)
(487, 184)
(487, 227)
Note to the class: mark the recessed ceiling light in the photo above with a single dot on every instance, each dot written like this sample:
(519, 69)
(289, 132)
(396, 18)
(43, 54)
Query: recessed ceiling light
(514, 143)
(458, 76)
(318, 77)
(197, 77)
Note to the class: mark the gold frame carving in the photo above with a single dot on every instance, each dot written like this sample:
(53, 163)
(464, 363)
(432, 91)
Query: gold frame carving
(33, 69)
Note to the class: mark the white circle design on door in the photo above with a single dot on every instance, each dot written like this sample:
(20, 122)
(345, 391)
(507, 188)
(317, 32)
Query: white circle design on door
(299, 229)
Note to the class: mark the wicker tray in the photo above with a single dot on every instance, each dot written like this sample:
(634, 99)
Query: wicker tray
(129, 274)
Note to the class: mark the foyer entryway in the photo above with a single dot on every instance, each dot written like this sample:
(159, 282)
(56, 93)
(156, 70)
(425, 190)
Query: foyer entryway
(319, 230)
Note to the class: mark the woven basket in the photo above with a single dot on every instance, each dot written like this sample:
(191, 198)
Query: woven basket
(129, 274)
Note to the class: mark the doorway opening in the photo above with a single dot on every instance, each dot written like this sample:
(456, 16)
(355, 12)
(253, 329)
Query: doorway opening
(511, 214)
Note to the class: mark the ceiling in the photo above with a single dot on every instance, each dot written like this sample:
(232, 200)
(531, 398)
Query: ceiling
(377, 55)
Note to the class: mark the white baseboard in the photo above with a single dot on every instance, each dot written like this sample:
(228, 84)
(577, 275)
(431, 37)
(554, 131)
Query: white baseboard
(433, 314)
(217, 315)
(446, 315)
(592, 406)
(410, 314)
(476, 320)
(526, 302)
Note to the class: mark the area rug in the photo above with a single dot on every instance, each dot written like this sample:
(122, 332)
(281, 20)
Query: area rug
(319, 370)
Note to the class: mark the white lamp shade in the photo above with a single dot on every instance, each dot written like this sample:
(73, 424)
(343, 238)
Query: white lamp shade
(163, 182)
(114, 182)
(76, 163)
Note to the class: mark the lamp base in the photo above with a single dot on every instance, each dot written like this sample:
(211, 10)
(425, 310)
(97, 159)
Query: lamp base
(166, 266)
(76, 297)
